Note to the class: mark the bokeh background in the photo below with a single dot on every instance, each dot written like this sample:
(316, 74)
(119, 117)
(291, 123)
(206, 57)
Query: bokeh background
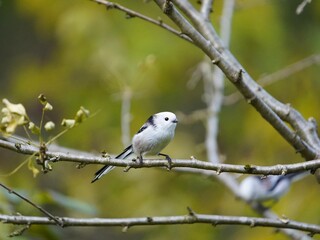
(79, 54)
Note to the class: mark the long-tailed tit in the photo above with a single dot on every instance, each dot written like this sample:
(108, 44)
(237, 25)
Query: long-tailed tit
(260, 189)
(152, 137)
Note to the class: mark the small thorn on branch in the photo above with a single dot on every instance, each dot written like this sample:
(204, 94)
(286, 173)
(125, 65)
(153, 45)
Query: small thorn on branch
(125, 228)
(105, 154)
(191, 212)
(214, 224)
(249, 168)
(18, 146)
(167, 7)
(81, 165)
(288, 109)
(127, 168)
(239, 75)
(252, 223)
(192, 216)
(284, 219)
(249, 100)
(313, 123)
(128, 16)
(284, 171)
(215, 61)
(109, 6)
(218, 171)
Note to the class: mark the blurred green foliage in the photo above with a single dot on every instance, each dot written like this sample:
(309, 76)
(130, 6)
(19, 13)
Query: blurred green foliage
(79, 54)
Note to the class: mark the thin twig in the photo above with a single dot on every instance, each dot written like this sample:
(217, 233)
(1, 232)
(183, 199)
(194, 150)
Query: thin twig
(125, 116)
(301, 6)
(45, 212)
(167, 220)
(214, 87)
(206, 8)
(131, 13)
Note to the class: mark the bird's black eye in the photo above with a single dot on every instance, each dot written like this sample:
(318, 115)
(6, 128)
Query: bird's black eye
(166, 118)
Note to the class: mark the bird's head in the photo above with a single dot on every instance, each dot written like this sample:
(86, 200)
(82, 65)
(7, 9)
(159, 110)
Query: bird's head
(165, 120)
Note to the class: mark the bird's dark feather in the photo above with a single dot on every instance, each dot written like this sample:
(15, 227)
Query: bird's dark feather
(149, 122)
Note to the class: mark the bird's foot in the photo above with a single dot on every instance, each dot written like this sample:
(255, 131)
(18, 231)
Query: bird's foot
(169, 166)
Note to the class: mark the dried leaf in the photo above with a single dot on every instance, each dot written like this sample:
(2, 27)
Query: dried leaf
(14, 115)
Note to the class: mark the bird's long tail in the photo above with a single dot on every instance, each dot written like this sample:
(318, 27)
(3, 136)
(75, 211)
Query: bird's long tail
(105, 169)
(297, 175)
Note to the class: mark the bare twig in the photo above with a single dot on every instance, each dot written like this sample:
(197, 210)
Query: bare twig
(226, 21)
(45, 212)
(301, 6)
(125, 116)
(131, 13)
(213, 95)
(206, 8)
(214, 87)
(168, 220)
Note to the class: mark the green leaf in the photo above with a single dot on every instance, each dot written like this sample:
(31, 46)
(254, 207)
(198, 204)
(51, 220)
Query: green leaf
(72, 203)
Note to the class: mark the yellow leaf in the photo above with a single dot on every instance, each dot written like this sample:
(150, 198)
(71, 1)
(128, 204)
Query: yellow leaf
(13, 116)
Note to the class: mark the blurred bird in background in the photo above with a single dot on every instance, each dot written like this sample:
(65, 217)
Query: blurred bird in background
(273, 187)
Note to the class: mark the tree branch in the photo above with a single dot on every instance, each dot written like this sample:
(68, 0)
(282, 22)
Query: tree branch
(213, 47)
(70, 155)
(131, 13)
(191, 218)
(266, 105)
(214, 86)
(277, 76)
(230, 181)
(206, 8)
(125, 116)
(45, 212)
(301, 6)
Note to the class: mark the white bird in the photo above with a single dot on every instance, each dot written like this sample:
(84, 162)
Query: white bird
(260, 189)
(152, 137)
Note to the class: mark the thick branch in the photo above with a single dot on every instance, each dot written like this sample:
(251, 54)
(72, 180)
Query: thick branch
(169, 220)
(265, 104)
(209, 42)
(278, 75)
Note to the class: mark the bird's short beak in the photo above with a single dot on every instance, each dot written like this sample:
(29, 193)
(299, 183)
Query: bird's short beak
(175, 121)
